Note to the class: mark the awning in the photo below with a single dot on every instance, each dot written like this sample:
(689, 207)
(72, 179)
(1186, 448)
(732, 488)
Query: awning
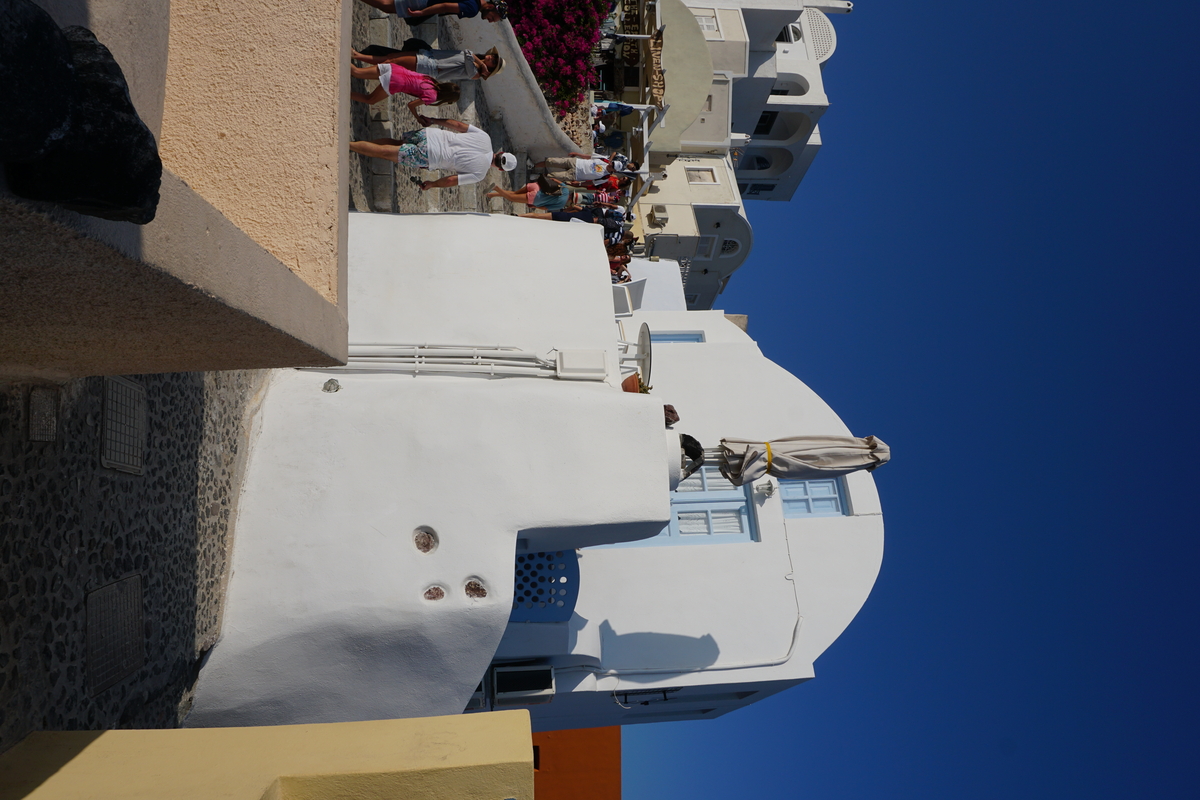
(685, 70)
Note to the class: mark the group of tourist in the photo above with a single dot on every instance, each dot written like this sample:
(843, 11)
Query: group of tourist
(578, 186)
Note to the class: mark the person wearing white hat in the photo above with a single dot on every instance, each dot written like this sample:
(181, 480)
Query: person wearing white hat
(581, 169)
(449, 145)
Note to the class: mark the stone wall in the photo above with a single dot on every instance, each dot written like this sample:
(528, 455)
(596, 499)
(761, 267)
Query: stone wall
(69, 526)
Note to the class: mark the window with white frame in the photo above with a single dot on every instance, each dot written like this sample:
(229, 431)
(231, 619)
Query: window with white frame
(708, 22)
(701, 175)
(824, 497)
(730, 247)
(705, 247)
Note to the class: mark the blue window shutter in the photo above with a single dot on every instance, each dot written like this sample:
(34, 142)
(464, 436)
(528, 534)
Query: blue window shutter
(816, 498)
(706, 509)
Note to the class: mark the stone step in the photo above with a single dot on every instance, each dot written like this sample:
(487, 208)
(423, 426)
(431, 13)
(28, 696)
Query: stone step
(382, 191)
(381, 166)
(520, 175)
(380, 31)
(380, 129)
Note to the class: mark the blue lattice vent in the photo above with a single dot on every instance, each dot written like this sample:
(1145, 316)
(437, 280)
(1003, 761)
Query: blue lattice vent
(546, 587)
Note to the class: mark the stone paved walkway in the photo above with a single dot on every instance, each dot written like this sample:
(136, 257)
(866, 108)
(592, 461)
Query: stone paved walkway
(69, 526)
(376, 185)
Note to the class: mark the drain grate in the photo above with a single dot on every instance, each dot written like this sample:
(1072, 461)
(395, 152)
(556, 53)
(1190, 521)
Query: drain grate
(115, 639)
(124, 425)
(43, 414)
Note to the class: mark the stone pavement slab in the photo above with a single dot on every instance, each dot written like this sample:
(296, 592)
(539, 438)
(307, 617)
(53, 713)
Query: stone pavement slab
(384, 187)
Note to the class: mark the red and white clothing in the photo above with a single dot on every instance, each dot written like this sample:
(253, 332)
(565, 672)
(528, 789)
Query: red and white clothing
(396, 79)
(610, 184)
(605, 197)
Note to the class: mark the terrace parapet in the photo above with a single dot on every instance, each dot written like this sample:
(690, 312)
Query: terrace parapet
(243, 265)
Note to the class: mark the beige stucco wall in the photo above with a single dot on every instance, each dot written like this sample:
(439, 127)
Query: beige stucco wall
(676, 189)
(688, 67)
(463, 757)
(253, 120)
(730, 51)
(679, 196)
(710, 130)
(244, 263)
(190, 292)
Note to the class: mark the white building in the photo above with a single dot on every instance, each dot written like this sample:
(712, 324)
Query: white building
(736, 598)
(775, 61)
(392, 517)
(748, 132)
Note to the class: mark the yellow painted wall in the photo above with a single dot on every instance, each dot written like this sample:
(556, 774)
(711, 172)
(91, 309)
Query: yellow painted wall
(676, 189)
(464, 757)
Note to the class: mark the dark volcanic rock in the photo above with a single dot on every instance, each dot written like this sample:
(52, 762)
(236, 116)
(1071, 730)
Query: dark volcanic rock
(82, 526)
(36, 79)
(106, 164)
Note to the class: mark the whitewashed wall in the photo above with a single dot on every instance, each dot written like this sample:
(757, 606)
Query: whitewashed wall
(664, 289)
(326, 618)
(728, 624)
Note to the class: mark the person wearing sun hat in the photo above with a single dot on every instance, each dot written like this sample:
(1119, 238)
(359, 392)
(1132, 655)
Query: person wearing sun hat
(441, 65)
(493, 71)
(489, 10)
(450, 145)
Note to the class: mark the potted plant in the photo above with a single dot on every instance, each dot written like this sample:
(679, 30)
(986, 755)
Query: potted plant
(634, 384)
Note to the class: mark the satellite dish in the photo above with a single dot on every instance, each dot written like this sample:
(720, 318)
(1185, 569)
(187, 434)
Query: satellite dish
(643, 353)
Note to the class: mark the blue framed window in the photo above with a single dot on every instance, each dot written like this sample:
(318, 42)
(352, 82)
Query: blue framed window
(816, 498)
(706, 509)
(676, 337)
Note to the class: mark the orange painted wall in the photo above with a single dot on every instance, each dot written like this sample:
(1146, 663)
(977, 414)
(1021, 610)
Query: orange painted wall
(582, 764)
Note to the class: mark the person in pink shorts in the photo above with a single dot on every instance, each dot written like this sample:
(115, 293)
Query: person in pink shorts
(395, 79)
(543, 194)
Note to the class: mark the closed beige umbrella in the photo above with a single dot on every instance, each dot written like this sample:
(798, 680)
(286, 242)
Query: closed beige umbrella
(800, 457)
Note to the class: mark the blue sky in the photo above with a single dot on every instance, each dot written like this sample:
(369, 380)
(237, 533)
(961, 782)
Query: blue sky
(992, 267)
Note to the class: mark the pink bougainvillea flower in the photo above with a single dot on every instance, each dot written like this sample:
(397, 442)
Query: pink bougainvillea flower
(556, 38)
